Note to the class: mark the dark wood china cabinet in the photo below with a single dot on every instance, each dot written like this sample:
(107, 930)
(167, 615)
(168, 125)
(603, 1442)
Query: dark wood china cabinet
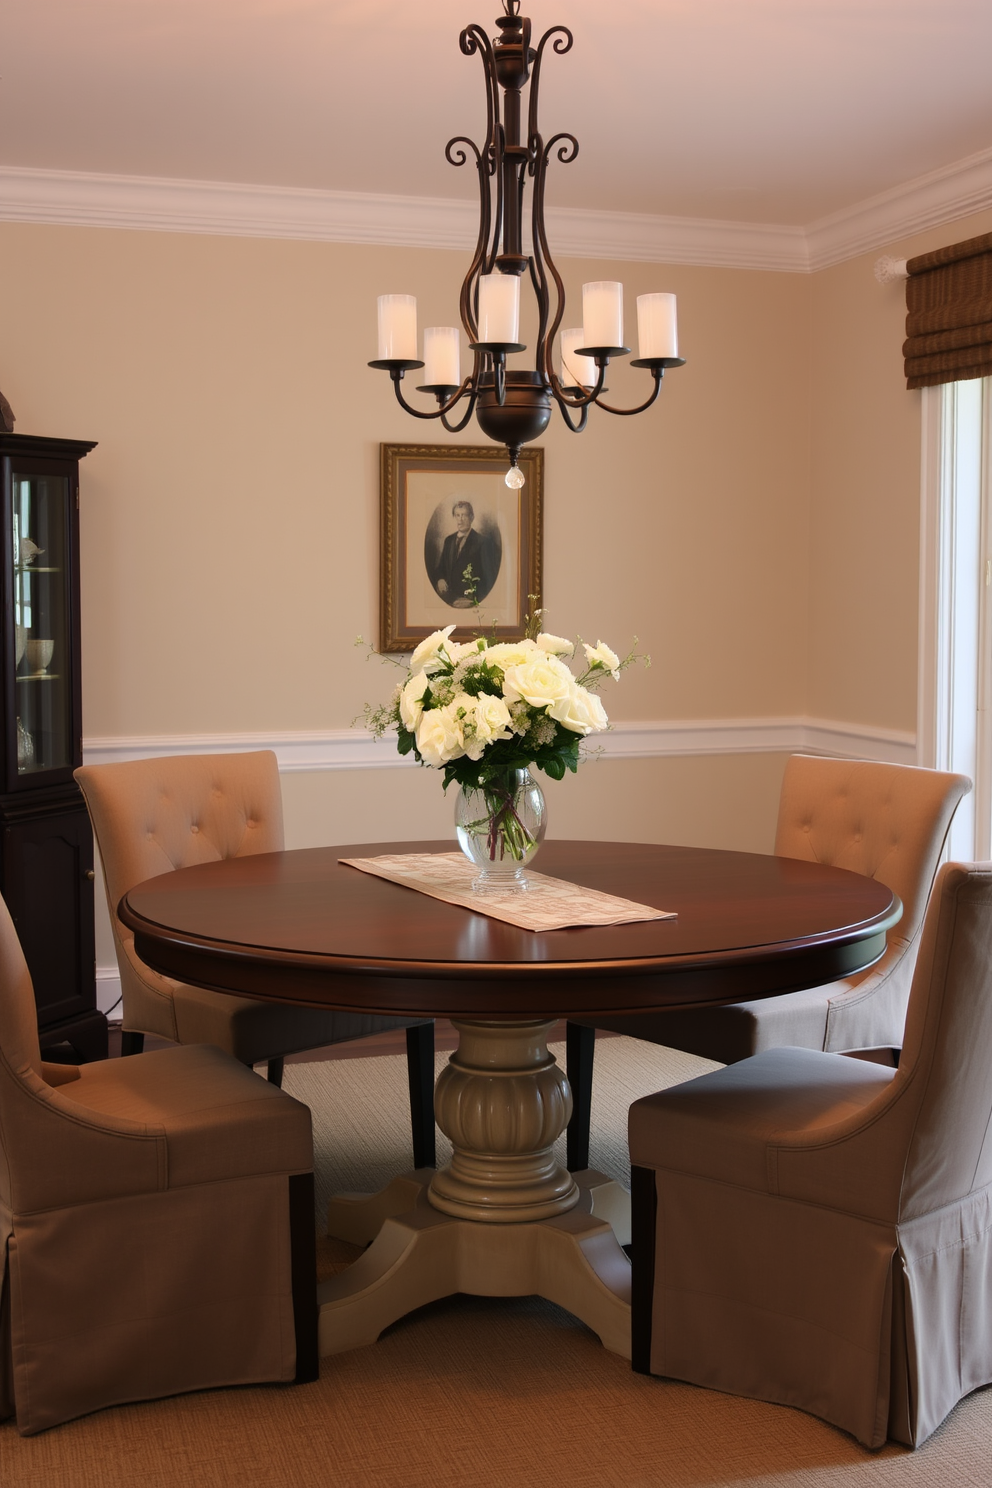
(46, 847)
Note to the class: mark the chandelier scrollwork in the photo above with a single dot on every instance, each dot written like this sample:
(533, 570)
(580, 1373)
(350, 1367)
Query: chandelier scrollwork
(513, 407)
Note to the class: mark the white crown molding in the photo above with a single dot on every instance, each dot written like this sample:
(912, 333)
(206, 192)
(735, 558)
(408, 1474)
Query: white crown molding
(156, 204)
(944, 195)
(147, 203)
(354, 749)
(707, 242)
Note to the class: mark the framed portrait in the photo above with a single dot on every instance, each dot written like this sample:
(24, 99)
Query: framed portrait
(457, 541)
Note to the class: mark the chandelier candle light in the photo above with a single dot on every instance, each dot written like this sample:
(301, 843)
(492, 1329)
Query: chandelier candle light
(514, 407)
(484, 713)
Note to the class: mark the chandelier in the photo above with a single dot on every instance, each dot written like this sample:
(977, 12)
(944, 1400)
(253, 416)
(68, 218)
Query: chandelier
(514, 407)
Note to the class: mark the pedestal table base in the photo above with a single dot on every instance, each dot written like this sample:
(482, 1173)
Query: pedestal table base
(418, 1256)
(503, 1219)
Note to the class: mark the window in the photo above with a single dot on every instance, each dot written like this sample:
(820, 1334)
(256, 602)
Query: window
(955, 693)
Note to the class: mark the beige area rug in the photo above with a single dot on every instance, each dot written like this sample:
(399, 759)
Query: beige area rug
(478, 1392)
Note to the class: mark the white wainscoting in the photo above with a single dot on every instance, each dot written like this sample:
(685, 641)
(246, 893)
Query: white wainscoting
(354, 749)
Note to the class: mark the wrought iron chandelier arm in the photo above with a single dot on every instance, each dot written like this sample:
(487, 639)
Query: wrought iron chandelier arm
(457, 428)
(576, 425)
(563, 44)
(657, 373)
(473, 39)
(568, 149)
(435, 413)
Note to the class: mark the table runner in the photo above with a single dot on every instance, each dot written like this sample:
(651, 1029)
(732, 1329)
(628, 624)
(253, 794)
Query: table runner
(548, 904)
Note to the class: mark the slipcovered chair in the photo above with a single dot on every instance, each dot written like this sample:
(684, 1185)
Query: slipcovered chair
(889, 822)
(156, 1223)
(155, 815)
(817, 1231)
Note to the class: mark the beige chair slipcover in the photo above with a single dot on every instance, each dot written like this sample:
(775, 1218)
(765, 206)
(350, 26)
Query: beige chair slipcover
(823, 1229)
(156, 1223)
(155, 815)
(889, 822)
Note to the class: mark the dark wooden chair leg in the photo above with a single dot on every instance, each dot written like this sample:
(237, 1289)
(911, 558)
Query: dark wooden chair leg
(274, 1071)
(580, 1051)
(131, 1043)
(420, 1068)
(303, 1260)
(643, 1226)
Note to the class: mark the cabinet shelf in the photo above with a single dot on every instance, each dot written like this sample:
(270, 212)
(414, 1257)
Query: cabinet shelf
(40, 677)
(30, 568)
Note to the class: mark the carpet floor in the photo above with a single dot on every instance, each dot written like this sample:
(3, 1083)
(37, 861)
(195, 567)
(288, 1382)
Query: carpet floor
(477, 1392)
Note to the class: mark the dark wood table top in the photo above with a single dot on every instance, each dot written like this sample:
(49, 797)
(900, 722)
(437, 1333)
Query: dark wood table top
(301, 927)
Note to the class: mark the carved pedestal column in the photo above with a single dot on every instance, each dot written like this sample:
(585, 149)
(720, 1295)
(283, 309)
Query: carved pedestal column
(503, 1100)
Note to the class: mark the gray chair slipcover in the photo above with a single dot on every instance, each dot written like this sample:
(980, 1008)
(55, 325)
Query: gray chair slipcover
(155, 815)
(156, 1223)
(822, 1227)
(889, 822)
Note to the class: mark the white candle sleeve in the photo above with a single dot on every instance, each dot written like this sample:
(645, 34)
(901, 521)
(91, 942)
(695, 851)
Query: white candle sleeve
(499, 308)
(602, 313)
(398, 328)
(657, 326)
(442, 357)
(576, 371)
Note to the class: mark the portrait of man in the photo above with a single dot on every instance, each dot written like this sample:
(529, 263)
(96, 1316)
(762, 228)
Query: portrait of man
(467, 547)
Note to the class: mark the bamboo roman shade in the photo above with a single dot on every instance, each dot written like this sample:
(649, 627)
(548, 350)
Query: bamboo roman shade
(949, 314)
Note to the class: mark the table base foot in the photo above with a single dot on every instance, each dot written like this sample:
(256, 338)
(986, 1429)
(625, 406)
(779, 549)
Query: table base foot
(422, 1255)
(358, 1217)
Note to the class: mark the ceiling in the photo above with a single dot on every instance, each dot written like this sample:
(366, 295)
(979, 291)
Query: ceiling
(773, 111)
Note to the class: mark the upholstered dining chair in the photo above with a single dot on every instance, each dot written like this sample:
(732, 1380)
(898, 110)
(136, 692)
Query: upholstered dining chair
(888, 822)
(817, 1231)
(156, 1223)
(155, 815)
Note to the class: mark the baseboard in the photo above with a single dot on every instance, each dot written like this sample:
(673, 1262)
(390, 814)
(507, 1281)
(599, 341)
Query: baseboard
(108, 989)
(354, 749)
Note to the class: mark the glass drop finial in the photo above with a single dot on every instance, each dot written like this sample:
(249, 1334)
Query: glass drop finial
(514, 478)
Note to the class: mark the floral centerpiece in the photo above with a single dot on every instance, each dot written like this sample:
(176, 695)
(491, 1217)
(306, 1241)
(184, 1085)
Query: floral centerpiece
(484, 712)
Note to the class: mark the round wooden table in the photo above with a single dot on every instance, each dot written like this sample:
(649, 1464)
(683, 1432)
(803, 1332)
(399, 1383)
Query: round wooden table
(503, 1218)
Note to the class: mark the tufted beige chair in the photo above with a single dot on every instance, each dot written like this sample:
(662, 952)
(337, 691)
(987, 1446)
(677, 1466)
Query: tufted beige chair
(888, 822)
(153, 816)
(156, 1223)
(817, 1231)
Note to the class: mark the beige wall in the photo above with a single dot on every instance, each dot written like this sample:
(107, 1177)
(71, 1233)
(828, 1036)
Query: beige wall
(757, 530)
(230, 512)
(865, 491)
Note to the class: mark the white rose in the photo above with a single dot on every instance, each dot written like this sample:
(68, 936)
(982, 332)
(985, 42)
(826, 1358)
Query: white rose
(555, 645)
(509, 653)
(540, 681)
(579, 710)
(425, 657)
(439, 736)
(412, 700)
(490, 722)
(600, 655)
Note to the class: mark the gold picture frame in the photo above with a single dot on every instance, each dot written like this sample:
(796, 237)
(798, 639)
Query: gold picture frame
(447, 505)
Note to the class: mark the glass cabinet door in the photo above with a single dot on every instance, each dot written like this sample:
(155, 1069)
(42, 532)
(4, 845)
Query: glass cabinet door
(42, 651)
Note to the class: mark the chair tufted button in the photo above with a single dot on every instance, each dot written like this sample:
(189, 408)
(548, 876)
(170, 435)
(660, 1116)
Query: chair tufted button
(251, 822)
(194, 828)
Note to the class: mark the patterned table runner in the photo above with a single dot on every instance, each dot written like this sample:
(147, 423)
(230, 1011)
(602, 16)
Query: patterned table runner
(548, 904)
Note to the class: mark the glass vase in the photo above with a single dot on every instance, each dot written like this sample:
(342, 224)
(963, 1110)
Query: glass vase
(500, 827)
